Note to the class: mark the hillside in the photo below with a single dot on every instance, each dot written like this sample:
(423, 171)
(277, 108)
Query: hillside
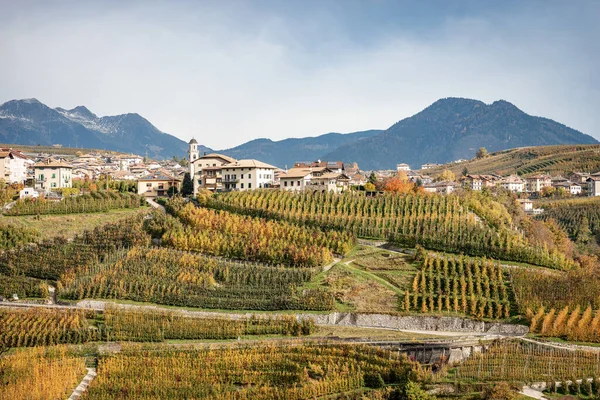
(287, 151)
(30, 122)
(553, 160)
(455, 128)
(449, 129)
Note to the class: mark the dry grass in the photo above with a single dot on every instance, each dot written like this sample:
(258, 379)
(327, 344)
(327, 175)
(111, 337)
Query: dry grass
(68, 225)
(397, 269)
(360, 292)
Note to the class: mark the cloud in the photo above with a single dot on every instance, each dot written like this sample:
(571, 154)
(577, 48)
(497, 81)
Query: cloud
(230, 72)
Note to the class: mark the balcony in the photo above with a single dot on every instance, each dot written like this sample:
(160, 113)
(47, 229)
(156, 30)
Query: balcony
(228, 179)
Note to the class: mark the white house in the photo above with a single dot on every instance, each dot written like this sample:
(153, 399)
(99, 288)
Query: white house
(402, 167)
(245, 175)
(330, 182)
(52, 174)
(28, 192)
(13, 166)
(575, 189)
(526, 205)
(295, 179)
(514, 183)
(444, 187)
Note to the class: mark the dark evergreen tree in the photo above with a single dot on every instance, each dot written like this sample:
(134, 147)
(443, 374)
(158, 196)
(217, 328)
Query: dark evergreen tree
(188, 186)
(373, 178)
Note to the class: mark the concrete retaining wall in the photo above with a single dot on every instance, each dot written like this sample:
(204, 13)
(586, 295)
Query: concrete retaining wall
(383, 321)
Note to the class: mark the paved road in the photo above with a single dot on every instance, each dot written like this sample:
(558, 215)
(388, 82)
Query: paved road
(154, 204)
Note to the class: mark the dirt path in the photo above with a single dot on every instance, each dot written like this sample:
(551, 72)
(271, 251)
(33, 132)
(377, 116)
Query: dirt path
(83, 385)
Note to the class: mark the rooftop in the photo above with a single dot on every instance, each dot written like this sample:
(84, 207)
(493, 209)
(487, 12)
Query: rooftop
(250, 163)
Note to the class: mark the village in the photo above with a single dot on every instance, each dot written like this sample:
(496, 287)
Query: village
(57, 175)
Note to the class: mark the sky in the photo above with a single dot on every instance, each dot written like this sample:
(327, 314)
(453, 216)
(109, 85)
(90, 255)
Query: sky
(228, 71)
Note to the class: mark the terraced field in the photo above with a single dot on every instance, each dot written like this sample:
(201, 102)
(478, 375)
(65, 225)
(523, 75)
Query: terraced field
(554, 160)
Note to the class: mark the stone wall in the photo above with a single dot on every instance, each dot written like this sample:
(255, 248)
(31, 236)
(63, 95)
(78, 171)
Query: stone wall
(383, 321)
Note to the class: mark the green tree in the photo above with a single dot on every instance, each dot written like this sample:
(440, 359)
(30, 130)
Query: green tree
(373, 178)
(481, 153)
(187, 188)
(584, 233)
(369, 187)
(465, 171)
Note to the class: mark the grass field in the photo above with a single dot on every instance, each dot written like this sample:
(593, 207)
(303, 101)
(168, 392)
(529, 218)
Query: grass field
(67, 225)
(369, 279)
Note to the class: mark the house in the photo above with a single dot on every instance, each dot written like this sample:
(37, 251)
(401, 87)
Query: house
(593, 185)
(402, 167)
(526, 205)
(245, 175)
(122, 176)
(444, 187)
(218, 172)
(333, 166)
(330, 182)
(478, 182)
(28, 192)
(52, 174)
(357, 179)
(575, 189)
(205, 170)
(13, 166)
(157, 185)
(537, 182)
(295, 179)
(139, 170)
(579, 177)
(430, 165)
(514, 183)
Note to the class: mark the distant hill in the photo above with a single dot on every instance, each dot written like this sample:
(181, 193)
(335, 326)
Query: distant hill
(31, 122)
(455, 128)
(553, 160)
(449, 129)
(287, 151)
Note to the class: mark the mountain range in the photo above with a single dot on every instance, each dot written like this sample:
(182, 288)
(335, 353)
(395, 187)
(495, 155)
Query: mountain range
(31, 122)
(449, 129)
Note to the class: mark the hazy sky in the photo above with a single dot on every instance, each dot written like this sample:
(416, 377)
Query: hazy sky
(230, 71)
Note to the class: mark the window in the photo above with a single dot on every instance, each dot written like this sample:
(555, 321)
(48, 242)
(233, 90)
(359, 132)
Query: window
(242, 176)
(249, 176)
(292, 183)
(249, 186)
(53, 176)
(53, 184)
(259, 185)
(284, 183)
(41, 177)
(241, 185)
(298, 183)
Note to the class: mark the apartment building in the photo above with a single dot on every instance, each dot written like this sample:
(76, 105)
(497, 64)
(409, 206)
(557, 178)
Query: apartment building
(52, 174)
